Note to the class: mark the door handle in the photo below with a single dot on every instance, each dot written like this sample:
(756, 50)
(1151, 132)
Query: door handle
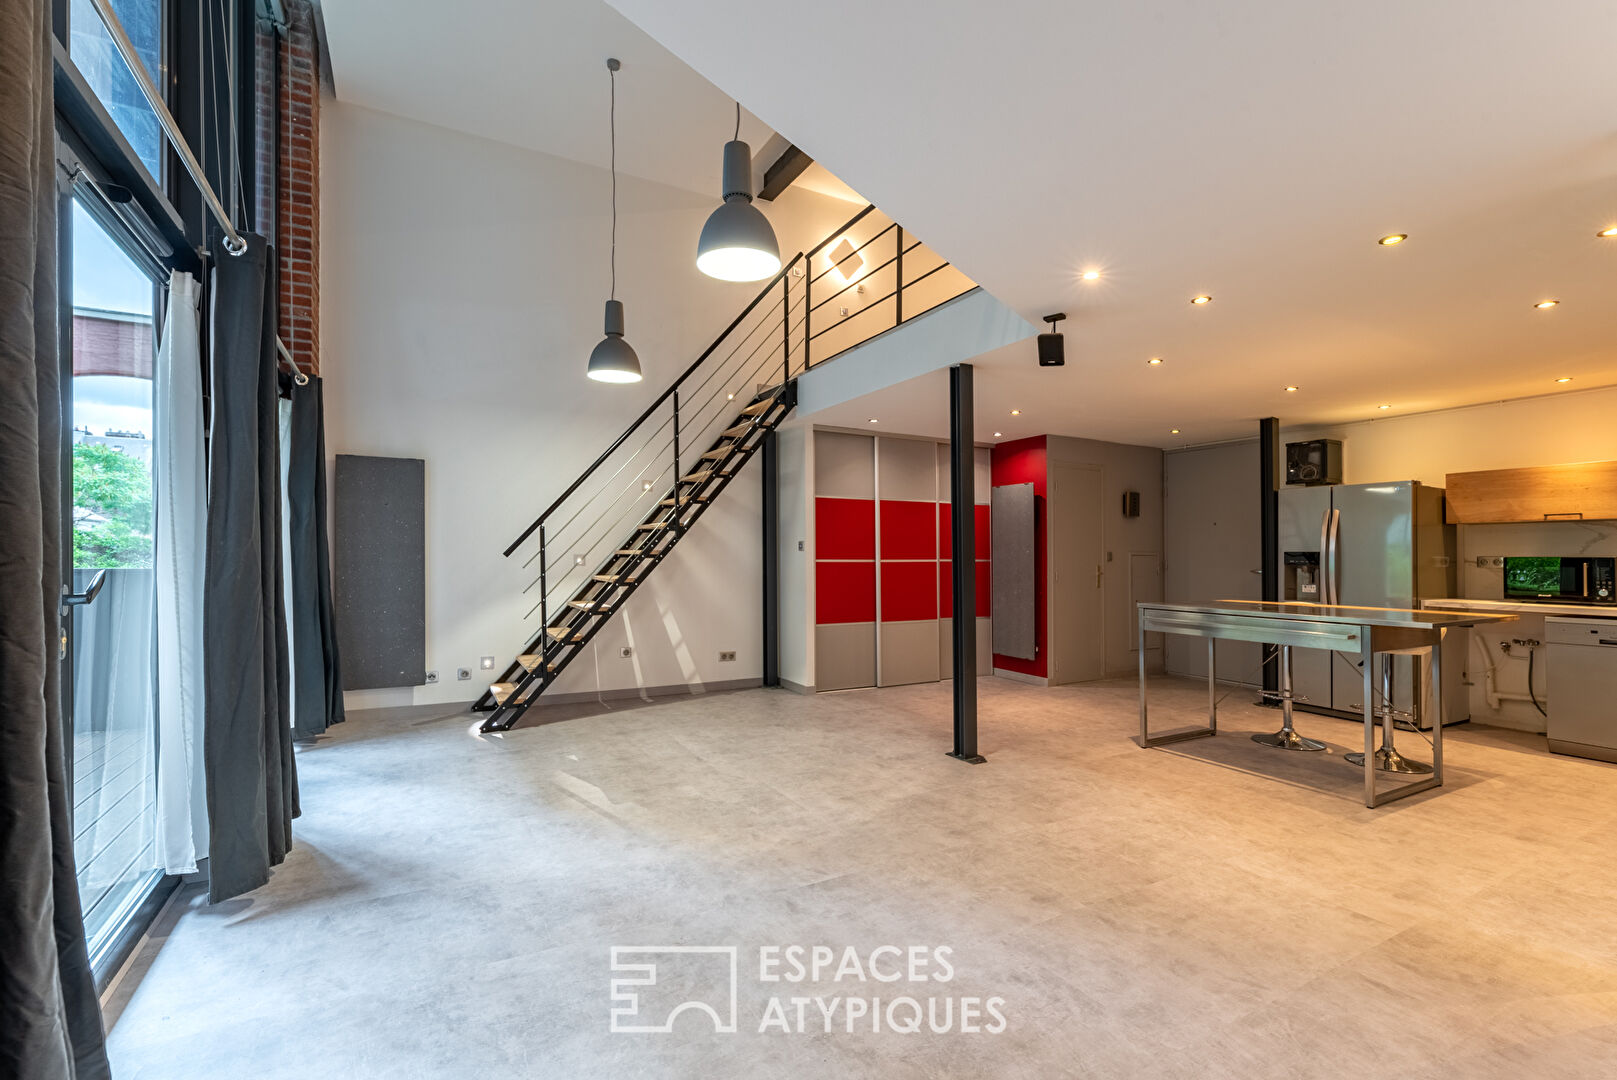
(72, 600)
(1097, 575)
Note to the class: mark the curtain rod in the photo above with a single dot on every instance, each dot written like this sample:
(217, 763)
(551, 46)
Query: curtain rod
(126, 49)
(233, 239)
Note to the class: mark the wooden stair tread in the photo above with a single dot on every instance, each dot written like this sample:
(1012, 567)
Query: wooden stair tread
(646, 553)
(737, 431)
(696, 477)
(502, 691)
(563, 633)
(614, 578)
(718, 452)
(651, 526)
(531, 661)
(683, 500)
(758, 408)
(587, 605)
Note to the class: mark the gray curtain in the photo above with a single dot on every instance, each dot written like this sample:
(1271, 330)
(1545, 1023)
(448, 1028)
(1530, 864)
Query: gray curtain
(247, 740)
(316, 680)
(50, 1021)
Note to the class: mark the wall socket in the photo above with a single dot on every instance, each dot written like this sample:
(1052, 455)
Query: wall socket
(1491, 562)
(463, 673)
(800, 545)
(727, 656)
(432, 677)
(625, 652)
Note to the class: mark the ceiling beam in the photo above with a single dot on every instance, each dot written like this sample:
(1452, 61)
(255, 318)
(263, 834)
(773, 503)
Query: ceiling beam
(788, 167)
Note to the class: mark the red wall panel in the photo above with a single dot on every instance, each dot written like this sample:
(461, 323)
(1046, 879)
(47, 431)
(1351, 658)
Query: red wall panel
(1024, 462)
(844, 528)
(845, 592)
(909, 591)
(908, 529)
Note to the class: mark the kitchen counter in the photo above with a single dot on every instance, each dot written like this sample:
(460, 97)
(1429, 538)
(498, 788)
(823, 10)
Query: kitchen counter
(1522, 607)
(1367, 631)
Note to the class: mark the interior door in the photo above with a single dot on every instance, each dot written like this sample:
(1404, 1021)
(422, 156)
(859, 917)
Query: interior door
(1303, 513)
(1077, 560)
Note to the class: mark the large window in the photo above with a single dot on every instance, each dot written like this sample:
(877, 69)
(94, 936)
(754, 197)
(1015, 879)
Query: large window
(98, 61)
(113, 523)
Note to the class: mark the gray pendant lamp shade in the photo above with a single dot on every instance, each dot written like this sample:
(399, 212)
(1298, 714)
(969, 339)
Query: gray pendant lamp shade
(614, 360)
(738, 243)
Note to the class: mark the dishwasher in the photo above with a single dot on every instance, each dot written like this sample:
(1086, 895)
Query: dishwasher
(1583, 687)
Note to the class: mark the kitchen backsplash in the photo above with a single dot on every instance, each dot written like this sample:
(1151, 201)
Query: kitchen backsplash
(1528, 538)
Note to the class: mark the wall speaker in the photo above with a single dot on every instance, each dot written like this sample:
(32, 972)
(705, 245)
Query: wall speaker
(1052, 346)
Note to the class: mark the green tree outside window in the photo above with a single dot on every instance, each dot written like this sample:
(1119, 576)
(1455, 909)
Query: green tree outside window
(112, 508)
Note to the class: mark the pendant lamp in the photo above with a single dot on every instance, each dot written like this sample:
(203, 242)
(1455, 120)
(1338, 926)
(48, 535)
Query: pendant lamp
(613, 360)
(737, 242)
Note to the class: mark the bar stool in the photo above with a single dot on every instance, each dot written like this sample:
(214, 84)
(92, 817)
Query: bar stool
(1286, 738)
(1388, 759)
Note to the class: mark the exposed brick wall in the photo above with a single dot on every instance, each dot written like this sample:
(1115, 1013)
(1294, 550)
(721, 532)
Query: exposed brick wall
(297, 213)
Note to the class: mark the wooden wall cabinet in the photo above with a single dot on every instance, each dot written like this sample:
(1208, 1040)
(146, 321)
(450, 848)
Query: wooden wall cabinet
(1585, 492)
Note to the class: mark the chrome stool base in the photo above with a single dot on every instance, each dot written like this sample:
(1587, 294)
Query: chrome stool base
(1288, 739)
(1390, 760)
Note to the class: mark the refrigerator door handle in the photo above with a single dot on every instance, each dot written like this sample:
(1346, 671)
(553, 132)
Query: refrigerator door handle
(1325, 558)
(1335, 544)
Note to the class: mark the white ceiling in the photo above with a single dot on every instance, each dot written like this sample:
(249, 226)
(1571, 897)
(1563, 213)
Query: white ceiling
(1252, 150)
(533, 73)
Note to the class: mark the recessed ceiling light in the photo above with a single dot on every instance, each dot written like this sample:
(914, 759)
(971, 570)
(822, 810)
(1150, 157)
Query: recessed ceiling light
(1383, 406)
(1394, 239)
(1564, 378)
(1016, 412)
(1198, 300)
(1292, 389)
(1542, 304)
(1608, 232)
(1091, 275)
(872, 419)
(1175, 431)
(997, 435)
(1154, 361)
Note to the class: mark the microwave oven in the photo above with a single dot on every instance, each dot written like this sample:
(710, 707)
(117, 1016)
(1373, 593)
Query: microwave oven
(1574, 579)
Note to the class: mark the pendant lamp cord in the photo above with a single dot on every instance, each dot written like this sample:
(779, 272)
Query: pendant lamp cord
(612, 123)
(738, 120)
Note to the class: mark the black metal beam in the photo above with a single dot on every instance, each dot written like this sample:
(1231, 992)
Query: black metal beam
(771, 532)
(779, 176)
(1269, 524)
(963, 567)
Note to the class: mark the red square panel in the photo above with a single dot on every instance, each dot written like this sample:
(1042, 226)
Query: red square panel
(908, 530)
(844, 528)
(946, 542)
(908, 591)
(844, 592)
(946, 590)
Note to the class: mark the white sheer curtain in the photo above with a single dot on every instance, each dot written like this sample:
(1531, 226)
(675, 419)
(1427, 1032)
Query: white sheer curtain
(182, 523)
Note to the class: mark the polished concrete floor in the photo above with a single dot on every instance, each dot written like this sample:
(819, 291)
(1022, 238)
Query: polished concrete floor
(1214, 909)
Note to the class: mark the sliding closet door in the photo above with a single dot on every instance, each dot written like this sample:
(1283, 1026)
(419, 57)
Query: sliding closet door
(907, 543)
(844, 561)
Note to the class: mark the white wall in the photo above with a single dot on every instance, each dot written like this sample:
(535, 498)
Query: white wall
(462, 289)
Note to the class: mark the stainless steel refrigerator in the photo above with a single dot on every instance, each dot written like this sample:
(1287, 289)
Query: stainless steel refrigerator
(1368, 545)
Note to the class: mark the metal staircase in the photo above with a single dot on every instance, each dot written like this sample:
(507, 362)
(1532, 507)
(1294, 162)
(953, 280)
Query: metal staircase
(616, 523)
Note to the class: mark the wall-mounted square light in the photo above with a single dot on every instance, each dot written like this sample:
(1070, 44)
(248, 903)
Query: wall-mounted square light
(846, 260)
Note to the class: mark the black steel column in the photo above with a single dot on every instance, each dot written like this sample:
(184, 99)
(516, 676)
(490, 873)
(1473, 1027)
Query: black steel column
(771, 531)
(1269, 524)
(963, 553)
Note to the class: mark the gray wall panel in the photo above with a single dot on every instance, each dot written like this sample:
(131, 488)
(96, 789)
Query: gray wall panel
(844, 466)
(909, 469)
(909, 652)
(379, 524)
(1014, 584)
(844, 656)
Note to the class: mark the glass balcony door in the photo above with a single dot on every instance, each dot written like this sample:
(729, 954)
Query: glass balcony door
(110, 662)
